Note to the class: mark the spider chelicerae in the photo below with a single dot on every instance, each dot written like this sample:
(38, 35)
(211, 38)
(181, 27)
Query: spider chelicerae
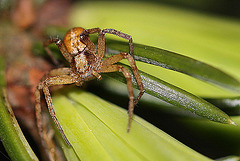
(85, 65)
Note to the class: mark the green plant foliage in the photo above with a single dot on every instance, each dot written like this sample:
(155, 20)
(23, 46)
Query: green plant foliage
(178, 97)
(101, 132)
(176, 62)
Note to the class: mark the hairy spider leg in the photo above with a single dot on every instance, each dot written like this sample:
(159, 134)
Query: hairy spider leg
(101, 41)
(108, 67)
(61, 47)
(49, 148)
(85, 39)
(114, 68)
(117, 58)
(56, 72)
(44, 85)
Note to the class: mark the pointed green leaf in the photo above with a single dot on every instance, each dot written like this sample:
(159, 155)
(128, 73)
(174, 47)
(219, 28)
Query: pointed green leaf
(97, 130)
(177, 97)
(69, 152)
(176, 62)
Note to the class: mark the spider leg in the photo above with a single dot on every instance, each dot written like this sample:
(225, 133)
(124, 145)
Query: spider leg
(44, 85)
(116, 58)
(127, 75)
(56, 72)
(61, 47)
(85, 39)
(91, 31)
(42, 127)
(101, 41)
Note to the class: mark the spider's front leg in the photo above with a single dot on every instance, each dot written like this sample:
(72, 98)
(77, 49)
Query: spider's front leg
(127, 75)
(61, 47)
(107, 66)
(44, 85)
(85, 39)
(116, 58)
(101, 41)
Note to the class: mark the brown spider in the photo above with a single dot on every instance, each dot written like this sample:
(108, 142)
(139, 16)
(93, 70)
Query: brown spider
(85, 64)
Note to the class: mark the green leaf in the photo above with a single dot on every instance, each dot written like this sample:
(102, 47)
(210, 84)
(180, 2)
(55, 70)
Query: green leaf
(176, 96)
(97, 130)
(10, 133)
(176, 62)
(69, 152)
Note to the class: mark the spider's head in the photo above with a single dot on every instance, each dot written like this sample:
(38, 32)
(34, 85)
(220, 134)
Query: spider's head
(72, 41)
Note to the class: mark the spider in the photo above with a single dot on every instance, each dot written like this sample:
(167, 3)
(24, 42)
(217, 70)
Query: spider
(85, 65)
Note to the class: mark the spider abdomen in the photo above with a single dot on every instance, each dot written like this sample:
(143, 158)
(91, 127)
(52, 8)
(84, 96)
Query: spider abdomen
(72, 41)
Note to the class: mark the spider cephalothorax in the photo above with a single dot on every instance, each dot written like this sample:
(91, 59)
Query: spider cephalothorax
(85, 64)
